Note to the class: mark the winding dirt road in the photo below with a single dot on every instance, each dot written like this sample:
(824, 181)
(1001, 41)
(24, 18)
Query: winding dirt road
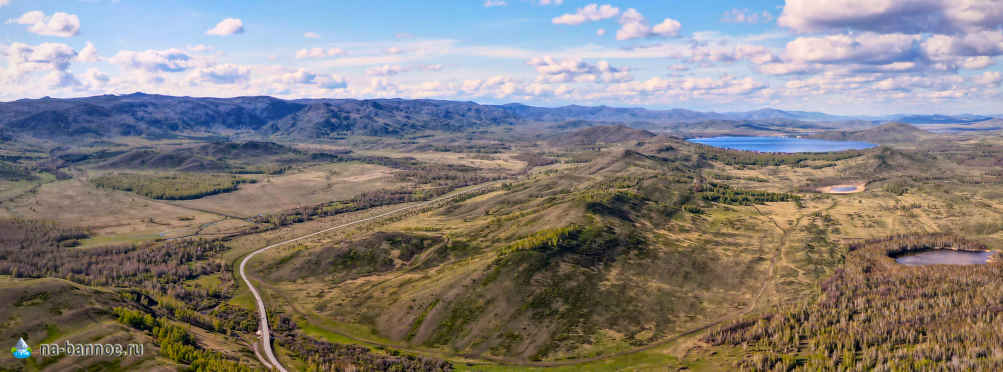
(263, 332)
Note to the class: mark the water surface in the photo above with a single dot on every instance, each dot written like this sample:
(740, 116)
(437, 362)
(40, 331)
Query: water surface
(944, 257)
(844, 188)
(781, 144)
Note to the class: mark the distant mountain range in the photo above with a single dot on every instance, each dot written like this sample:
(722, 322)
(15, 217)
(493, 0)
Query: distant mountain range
(940, 119)
(606, 113)
(890, 133)
(156, 116)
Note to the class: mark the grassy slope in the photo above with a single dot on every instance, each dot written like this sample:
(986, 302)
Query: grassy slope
(53, 311)
(792, 248)
(470, 302)
(786, 247)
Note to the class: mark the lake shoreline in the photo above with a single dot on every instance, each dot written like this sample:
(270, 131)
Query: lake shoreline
(845, 188)
(779, 144)
(945, 256)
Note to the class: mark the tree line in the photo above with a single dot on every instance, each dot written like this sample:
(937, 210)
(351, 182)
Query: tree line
(875, 314)
(323, 356)
(763, 159)
(176, 186)
(722, 193)
(178, 345)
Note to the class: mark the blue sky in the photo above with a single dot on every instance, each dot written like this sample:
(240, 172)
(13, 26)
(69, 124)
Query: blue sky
(837, 56)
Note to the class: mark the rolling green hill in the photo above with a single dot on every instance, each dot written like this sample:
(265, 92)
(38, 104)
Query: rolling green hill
(608, 255)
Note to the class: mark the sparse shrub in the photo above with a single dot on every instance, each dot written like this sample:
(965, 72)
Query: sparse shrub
(693, 209)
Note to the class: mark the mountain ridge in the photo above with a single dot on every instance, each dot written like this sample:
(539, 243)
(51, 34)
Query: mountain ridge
(889, 133)
(152, 115)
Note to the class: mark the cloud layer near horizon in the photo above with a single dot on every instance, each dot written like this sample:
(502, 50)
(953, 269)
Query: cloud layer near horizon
(919, 52)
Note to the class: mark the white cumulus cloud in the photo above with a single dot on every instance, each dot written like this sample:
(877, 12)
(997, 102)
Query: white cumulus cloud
(633, 25)
(863, 48)
(889, 16)
(668, 27)
(385, 70)
(24, 59)
(591, 12)
(746, 16)
(153, 61)
(200, 48)
(60, 79)
(432, 67)
(229, 26)
(981, 43)
(221, 74)
(88, 54)
(96, 78)
(976, 63)
(553, 70)
(319, 53)
(58, 24)
(331, 82)
(992, 78)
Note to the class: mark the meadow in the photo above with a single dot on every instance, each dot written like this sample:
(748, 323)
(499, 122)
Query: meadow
(639, 255)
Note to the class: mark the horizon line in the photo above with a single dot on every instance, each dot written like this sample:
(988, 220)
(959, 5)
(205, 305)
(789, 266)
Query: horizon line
(648, 108)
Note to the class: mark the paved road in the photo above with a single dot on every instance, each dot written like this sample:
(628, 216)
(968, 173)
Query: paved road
(265, 333)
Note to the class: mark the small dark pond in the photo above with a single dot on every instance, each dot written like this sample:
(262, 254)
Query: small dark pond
(944, 257)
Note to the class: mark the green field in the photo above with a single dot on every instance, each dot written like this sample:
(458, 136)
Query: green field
(178, 186)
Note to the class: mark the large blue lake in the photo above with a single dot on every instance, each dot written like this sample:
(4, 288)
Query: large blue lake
(781, 144)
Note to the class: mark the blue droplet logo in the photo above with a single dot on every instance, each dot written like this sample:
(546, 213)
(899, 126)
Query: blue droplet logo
(21, 350)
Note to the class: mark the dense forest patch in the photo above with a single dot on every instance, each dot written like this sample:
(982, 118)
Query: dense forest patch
(176, 186)
(761, 159)
(722, 193)
(875, 314)
(177, 344)
(327, 356)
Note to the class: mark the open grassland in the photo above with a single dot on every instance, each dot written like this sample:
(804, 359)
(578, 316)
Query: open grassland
(504, 161)
(438, 283)
(55, 311)
(433, 276)
(76, 202)
(612, 257)
(313, 185)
